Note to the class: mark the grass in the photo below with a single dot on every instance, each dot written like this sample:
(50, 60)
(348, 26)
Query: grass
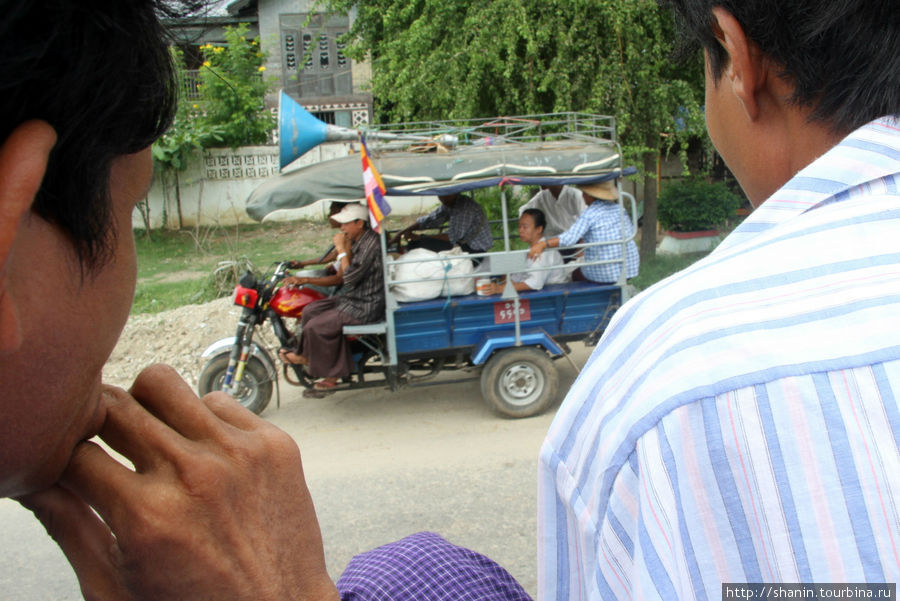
(175, 267)
(661, 267)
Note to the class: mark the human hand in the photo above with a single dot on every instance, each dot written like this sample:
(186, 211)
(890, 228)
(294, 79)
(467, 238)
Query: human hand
(341, 242)
(296, 264)
(405, 233)
(535, 250)
(216, 507)
(294, 281)
(495, 288)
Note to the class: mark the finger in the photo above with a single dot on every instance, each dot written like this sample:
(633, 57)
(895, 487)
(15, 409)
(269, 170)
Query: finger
(131, 430)
(232, 412)
(97, 478)
(162, 391)
(84, 539)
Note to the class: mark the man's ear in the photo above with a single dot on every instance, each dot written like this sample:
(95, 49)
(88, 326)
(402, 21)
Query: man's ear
(746, 70)
(23, 161)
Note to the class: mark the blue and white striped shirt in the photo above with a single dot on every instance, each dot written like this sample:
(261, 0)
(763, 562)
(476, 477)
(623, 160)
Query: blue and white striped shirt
(604, 221)
(739, 421)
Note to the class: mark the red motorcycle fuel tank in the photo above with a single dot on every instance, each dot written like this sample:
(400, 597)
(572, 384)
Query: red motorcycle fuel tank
(289, 301)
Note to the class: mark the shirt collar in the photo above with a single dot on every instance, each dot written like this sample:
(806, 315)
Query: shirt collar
(830, 178)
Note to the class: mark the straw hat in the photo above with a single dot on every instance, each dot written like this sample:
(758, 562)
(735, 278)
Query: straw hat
(604, 190)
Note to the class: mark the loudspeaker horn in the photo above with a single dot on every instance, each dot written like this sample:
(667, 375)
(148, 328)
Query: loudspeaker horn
(299, 131)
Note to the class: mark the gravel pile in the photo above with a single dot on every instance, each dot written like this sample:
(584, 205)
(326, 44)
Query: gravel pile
(176, 337)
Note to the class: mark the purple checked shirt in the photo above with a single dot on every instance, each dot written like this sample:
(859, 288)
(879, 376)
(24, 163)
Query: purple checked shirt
(424, 566)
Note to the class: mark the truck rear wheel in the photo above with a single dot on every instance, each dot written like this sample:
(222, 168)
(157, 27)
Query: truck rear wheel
(519, 382)
(254, 390)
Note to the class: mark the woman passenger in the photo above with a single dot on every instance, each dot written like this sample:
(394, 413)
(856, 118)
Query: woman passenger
(531, 230)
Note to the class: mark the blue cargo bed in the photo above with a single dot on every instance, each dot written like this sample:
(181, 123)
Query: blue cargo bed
(564, 311)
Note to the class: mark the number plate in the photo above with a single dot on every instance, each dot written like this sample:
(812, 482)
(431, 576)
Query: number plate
(505, 311)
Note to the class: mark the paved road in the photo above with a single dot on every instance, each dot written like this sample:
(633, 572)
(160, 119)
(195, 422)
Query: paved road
(380, 466)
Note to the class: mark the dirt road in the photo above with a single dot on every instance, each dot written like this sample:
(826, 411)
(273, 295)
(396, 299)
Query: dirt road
(380, 466)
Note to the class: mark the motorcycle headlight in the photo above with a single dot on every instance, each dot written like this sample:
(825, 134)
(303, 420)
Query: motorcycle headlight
(245, 297)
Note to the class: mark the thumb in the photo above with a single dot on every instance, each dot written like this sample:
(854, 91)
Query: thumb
(84, 538)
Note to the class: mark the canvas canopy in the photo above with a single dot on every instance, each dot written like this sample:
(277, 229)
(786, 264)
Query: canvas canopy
(463, 168)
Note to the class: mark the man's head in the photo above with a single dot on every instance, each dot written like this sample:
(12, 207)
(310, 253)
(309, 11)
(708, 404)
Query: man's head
(840, 56)
(99, 74)
(85, 87)
(333, 209)
(787, 80)
(448, 200)
(352, 219)
(554, 190)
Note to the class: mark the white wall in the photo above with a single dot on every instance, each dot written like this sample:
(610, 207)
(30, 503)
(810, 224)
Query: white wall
(216, 185)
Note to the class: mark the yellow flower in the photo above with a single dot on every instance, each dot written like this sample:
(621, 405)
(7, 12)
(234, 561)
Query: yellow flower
(218, 49)
(206, 63)
(261, 68)
(195, 106)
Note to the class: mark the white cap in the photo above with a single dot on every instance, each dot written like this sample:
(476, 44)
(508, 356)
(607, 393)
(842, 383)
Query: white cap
(351, 212)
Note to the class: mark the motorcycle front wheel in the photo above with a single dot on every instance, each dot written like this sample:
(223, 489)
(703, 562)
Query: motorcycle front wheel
(254, 390)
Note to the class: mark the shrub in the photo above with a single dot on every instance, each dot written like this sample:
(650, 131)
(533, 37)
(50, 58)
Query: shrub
(233, 90)
(694, 205)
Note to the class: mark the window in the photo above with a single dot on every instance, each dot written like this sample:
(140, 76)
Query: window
(316, 67)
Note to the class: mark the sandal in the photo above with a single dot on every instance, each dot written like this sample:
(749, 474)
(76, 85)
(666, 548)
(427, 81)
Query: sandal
(311, 393)
(325, 384)
(291, 358)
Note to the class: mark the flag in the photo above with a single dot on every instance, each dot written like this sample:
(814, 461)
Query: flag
(378, 206)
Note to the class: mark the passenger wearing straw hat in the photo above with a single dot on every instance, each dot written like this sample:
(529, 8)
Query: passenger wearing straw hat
(602, 221)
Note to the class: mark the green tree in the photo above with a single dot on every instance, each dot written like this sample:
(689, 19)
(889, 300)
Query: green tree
(188, 134)
(229, 112)
(446, 59)
(233, 89)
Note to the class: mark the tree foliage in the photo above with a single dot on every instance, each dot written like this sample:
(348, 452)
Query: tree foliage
(233, 89)
(230, 110)
(446, 59)
(695, 204)
(188, 132)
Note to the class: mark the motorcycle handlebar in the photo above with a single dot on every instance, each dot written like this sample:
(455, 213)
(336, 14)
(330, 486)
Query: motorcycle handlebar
(327, 252)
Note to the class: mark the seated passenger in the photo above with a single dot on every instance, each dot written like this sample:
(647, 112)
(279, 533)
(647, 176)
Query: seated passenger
(334, 277)
(468, 227)
(531, 230)
(601, 221)
(322, 347)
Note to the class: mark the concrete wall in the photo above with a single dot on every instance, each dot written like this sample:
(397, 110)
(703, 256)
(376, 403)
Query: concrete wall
(215, 187)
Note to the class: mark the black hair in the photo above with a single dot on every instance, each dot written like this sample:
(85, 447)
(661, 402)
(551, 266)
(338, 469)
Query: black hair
(538, 216)
(840, 55)
(100, 73)
(335, 206)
